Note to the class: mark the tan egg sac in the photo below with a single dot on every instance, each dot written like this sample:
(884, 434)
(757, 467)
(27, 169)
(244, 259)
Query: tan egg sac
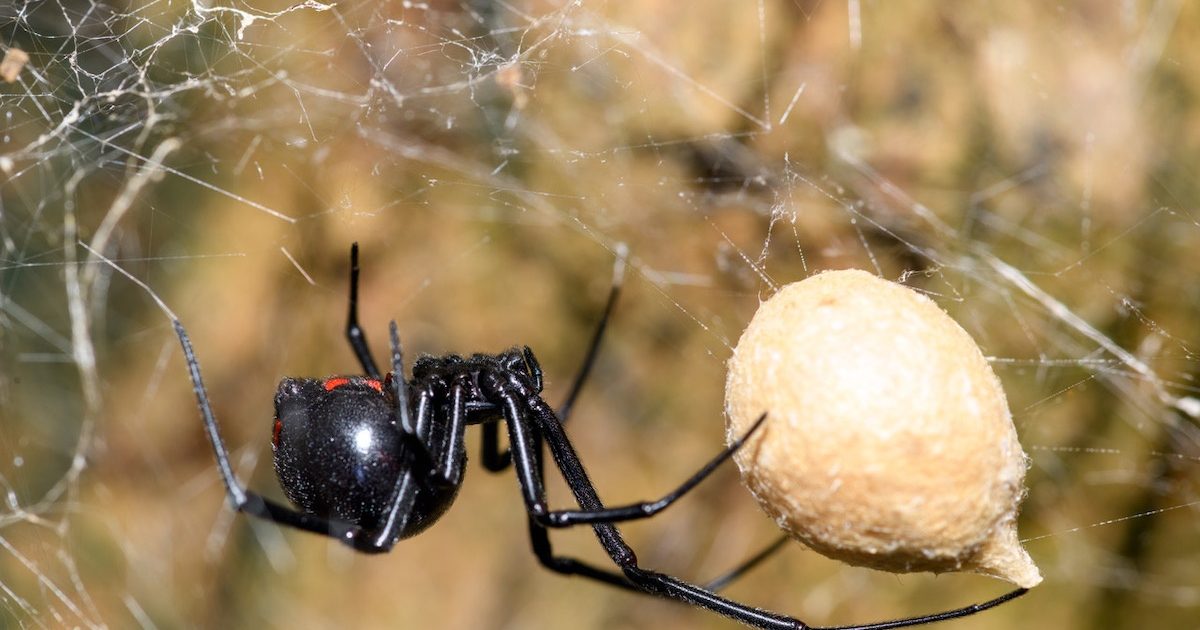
(888, 442)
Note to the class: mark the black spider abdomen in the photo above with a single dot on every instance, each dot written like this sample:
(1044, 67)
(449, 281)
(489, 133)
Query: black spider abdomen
(337, 448)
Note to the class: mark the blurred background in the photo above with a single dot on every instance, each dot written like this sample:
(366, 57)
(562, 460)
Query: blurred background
(1030, 166)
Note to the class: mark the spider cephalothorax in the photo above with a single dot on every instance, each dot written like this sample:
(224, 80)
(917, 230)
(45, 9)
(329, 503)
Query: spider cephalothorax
(372, 459)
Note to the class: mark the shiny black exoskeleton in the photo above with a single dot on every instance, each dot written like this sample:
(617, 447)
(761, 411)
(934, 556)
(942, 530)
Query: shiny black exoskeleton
(369, 460)
(339, 450)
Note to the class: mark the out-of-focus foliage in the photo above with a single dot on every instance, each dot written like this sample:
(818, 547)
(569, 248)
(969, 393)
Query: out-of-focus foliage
(1031, 166)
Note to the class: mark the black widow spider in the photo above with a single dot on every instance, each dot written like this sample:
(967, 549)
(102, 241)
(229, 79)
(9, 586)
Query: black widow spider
(370, 460)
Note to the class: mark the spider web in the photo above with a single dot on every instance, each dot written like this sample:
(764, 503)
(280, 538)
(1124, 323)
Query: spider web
(1030, 167)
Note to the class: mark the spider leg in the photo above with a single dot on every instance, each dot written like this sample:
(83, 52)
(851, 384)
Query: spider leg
(416, 431)
(547, 425)
(354, 332)
(496, 460)
(927, 619)
(725, 579)
(646, 509)
(400, 507)
(539, 538)
(259, 506)
(450, 464)
(493, 458)
(589, 359)
(524, 437)
(358, 342)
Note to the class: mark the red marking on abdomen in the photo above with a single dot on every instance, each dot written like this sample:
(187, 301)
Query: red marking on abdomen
(335, 382)
(275, 434)
(375, 385)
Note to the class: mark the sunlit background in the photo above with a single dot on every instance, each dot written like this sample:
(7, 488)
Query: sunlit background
(1030, 166)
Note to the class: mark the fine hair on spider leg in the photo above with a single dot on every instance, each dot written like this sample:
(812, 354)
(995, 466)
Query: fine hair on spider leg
(419, 424)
